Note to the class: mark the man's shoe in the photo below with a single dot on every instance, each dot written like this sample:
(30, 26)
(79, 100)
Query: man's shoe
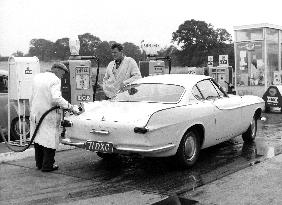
(55, 167)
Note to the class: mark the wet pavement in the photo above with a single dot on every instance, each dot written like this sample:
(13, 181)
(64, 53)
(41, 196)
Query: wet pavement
(83, 175)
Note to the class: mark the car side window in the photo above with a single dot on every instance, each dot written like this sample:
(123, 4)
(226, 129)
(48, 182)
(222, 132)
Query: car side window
(207, 89)
(3, 84)
(196, 93)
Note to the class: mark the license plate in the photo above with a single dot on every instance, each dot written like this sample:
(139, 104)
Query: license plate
(95, 146)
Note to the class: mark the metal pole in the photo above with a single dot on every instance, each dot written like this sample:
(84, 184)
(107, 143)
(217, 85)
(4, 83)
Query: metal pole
(96, 82)
(9, 104)
(265, 60)
(19, 113)
(24, 122)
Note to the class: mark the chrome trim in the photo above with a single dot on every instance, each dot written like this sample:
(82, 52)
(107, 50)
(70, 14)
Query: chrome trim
(70, 143)
(123, 148)
(103, 132)
(145, 150)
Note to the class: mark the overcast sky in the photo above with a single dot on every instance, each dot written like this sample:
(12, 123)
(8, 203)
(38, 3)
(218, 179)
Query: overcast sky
(123, 20)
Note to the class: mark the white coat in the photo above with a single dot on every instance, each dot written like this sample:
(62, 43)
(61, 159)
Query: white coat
(46, 93)
(126, 73)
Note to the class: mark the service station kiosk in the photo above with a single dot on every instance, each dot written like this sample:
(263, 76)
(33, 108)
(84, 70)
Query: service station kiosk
(258, 56)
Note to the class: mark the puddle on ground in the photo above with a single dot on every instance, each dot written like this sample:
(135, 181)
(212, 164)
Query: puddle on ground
(176, 200)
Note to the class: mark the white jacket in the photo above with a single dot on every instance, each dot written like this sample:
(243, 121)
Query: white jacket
(126, 73)
(46, 93)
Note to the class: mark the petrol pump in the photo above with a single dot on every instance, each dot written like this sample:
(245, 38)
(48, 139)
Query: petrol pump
(153, 65)
(223, 76)
(21, 72)
(76, 88)
(76, 85)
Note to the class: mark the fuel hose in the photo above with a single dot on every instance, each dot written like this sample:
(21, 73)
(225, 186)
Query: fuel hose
(11, 147)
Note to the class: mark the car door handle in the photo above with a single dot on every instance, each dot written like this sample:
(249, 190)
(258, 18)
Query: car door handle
(103, 132)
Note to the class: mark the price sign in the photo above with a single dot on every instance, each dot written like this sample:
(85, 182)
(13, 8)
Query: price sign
(223, 60)
(210, 61)
(82, 77)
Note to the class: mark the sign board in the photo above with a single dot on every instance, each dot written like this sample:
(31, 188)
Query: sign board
(150, 48)
(210, 61)
(21, 73)
(82, 77)
(276, 78)
(273, 98)
(223, 60)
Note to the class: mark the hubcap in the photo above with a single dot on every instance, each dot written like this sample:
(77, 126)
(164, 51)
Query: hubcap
(190, 146)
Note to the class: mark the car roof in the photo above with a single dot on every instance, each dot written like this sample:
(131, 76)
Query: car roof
(4, 72)
(185, 80)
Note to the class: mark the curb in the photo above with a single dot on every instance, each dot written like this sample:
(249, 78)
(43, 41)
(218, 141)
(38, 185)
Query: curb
(11, 156)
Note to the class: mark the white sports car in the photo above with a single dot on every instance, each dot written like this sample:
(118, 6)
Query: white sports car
(165, 115)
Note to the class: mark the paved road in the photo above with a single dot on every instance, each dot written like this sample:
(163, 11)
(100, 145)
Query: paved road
(82, 175)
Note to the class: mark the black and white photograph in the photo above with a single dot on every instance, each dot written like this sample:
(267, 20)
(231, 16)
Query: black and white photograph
(140, 102)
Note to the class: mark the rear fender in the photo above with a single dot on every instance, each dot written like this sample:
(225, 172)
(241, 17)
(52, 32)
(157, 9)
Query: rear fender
(170, 125)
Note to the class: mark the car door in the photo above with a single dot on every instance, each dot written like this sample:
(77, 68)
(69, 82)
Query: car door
(227, 113)
(232, 111)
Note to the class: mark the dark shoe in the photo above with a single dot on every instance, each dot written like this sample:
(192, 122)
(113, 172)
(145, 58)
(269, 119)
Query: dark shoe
(38, 166)
(55, 167)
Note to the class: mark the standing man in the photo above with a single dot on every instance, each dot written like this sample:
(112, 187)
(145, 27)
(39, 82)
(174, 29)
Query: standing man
(46, 93)
(120, 72)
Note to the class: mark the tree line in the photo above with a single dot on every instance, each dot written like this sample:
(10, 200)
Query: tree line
(196, 40)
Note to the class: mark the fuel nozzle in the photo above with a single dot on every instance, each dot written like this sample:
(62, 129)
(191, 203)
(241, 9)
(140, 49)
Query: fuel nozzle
(66, 123)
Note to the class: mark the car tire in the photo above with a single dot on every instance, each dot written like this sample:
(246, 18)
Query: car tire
(250, 134)
(106, 156)
(189, 149)
(15, 131)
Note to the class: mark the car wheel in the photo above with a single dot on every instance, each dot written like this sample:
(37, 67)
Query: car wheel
(106, 156)
(250, 134)
(15, 129)
(189, 149)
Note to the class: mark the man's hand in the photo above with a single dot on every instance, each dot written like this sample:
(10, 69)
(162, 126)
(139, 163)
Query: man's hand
(74, 109)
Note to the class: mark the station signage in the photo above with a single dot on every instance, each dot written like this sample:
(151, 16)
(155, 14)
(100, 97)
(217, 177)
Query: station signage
(210, 61)
(223, 60)
(273, 98)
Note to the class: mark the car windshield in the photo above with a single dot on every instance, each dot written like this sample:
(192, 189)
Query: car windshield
(150, 92)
